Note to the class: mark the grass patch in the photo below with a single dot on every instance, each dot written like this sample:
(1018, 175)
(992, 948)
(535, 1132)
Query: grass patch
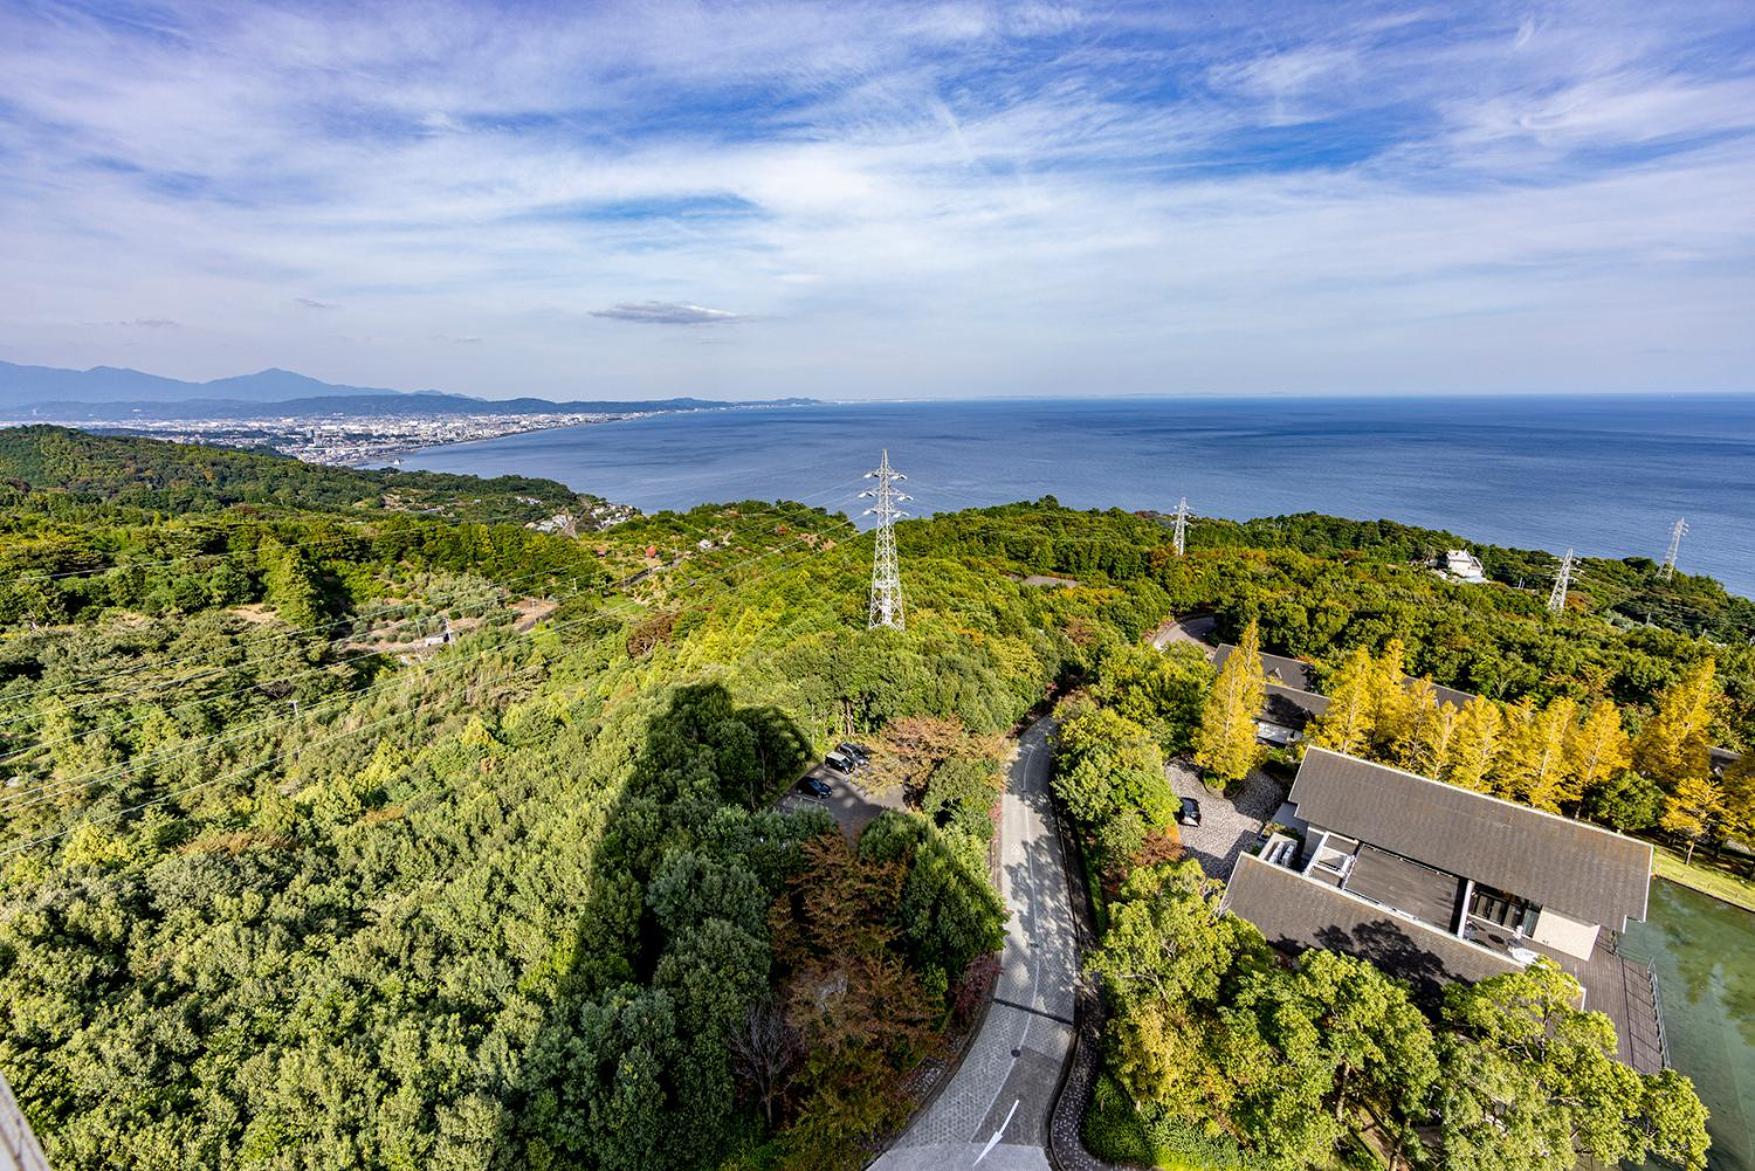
(1706, 878)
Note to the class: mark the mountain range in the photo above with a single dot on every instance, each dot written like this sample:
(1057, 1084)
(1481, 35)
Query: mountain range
(114, 393)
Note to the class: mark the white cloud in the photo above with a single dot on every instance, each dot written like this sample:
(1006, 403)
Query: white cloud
(950, 198)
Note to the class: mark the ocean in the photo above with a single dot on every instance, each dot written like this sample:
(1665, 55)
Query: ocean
(1606, 476)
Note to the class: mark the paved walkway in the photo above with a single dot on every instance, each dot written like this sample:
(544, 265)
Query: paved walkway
(998, 1102)
(1226, 824)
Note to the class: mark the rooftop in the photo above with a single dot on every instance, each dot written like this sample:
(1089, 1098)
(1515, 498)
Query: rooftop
(1584, 872)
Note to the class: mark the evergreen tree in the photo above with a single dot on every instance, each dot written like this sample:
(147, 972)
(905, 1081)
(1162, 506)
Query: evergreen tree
(1475, 744)
(1226, 745)
(1673, 744)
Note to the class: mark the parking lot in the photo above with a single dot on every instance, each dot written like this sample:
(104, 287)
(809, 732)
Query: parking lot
(851, 806)
(1227, 825)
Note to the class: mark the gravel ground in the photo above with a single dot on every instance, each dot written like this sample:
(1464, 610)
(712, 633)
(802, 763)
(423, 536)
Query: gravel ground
(1227, 825)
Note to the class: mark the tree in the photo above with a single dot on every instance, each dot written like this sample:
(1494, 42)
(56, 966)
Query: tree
(766, 1050)
(1429, 732)
(1626, 802)
(1692, 811)
(1598, 747)
(949, 911)
(290, 584)
(1738, 791)
(1166, 942)
(1164, 691)
(1311, 1046)
(1226, 745)
(1533, 767)
(1350, 723)
(1106, 764)
(1673, 744)
(1474, 746)
(1530, 1083)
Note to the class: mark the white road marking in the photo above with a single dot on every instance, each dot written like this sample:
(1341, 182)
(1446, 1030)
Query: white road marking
(994, 1141)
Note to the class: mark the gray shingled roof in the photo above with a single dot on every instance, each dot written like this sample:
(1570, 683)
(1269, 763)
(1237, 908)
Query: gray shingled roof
(1293, 673)
(1291, 708)
(1296, 913)
(1581, 871)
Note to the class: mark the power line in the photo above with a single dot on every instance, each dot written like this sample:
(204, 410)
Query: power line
(886, 577)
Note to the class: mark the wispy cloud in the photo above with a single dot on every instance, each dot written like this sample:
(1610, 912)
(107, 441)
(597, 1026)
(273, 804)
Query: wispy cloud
(955, 197)
(666, 313)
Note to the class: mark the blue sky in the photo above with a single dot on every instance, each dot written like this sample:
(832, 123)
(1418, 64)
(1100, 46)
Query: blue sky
(888, 199)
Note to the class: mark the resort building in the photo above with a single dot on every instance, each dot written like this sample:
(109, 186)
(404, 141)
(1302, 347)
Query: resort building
(1437, 883)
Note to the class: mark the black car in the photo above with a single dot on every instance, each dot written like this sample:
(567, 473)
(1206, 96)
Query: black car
(858, 753)
(1189, 814)
(818, 787)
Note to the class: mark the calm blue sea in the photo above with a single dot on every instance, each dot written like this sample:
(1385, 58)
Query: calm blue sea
(1607, 476)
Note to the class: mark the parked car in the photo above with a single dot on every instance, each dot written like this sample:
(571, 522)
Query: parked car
(839, 763)
(858, 753)
(817, 787)
(1189, 814)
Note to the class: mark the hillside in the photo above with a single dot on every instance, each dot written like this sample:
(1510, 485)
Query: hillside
(334, 835)
(112, 394)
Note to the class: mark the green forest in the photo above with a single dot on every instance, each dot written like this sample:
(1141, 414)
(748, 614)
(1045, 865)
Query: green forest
(348, 821)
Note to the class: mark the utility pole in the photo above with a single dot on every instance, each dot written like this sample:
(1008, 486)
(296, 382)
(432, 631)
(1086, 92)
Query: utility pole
(1557, 598)
(1182, 526)
(1676, 532)
(886, 577)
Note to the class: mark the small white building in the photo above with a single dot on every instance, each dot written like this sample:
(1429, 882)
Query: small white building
(1461, 565)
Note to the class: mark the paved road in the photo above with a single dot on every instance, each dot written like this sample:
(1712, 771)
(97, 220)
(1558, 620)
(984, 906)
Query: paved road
(1198, 630)
(1001, 1095)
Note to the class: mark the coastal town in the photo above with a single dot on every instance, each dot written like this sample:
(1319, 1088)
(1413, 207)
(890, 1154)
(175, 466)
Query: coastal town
(342, 440)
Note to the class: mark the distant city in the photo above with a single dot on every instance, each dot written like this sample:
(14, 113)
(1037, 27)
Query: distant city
(346, 441)
(295, 415)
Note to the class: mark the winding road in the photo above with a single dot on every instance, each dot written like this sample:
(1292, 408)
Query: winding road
(994, 1111)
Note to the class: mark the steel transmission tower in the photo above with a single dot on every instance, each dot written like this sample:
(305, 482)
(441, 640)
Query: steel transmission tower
(1676, 532)
(1557, 597)
(1182, 515)
(886, 577)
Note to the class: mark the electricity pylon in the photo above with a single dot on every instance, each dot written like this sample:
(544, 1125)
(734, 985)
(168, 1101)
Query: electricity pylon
(1182, 515)
(1676, 532)
(1557, 596)
(886, 576)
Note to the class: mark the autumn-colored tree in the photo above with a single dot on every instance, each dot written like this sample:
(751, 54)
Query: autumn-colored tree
(1599, 747)
(1475, 744)
(1533, 766)
(1673, 745)
(1693, 810)
(1428, 732)
(1353, 699)
(912, 747)
(1738, 792)
(1226, 745)
(1393, 707)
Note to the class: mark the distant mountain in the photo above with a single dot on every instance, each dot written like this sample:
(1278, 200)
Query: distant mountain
(26, 385)
(110, 393)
